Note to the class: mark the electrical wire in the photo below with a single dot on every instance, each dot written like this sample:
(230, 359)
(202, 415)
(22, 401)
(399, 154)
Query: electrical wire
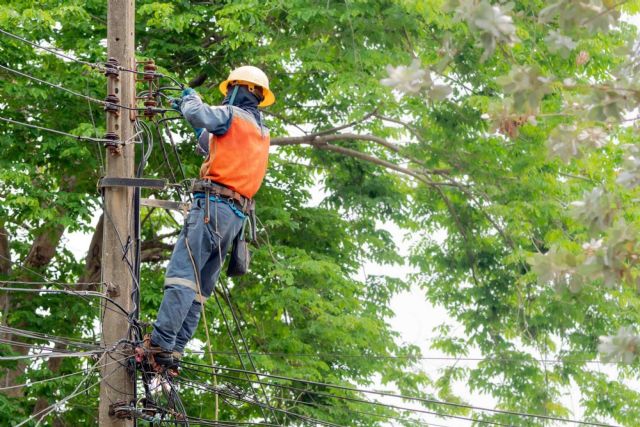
(411, 358)
(225, 292)
(46, 411)
(55, 52)
(220, 390)
(93, 65)
(47, 337)
(77, 137)
(54, 355)
(78, 94)
(368, 402)
(18, 282)
(399, 396)
(56, 378)
(81, 294)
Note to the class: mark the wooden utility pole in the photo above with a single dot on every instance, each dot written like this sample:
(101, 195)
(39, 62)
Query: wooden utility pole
(117, 385)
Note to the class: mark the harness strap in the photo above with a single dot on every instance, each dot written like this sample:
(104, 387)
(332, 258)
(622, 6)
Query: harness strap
(208, 186)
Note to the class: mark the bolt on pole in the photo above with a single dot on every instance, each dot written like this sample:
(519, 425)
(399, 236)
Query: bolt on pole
(117, 384)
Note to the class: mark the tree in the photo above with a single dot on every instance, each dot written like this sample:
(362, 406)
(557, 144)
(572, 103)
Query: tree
(427, 163)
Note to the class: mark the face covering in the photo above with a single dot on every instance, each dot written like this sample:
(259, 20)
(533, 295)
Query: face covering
(244, 99)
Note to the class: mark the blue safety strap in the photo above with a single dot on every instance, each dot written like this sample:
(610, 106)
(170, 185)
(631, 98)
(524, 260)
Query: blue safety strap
(232, 205)
(233, 94)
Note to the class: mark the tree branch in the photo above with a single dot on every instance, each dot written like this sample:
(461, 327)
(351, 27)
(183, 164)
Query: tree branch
(93, 260)
(322, 143)
(348, 125)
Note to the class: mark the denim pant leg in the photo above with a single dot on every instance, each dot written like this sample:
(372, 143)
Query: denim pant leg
(224, 225)
(181, 278)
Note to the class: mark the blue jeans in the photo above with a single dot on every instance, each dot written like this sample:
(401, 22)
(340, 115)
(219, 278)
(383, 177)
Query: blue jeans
(179, 312)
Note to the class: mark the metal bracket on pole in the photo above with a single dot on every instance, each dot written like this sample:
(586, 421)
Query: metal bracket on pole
(132, 182)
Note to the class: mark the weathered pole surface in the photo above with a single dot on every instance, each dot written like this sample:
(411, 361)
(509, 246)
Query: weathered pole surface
(116, 384)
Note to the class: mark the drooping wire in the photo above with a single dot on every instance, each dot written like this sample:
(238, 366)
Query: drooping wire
(72, 92)
(81, 294)
(400, 396)
(363, 401)
(358, 400)
(93, 65)
(40, 415)
(76, 137)
(225, 292)
(47, 337)
(222, 391)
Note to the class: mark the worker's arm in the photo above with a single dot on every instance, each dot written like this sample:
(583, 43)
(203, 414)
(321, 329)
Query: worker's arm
(203, 142)
(216, 120)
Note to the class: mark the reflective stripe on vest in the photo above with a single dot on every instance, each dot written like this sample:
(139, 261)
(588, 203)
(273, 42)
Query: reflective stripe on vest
(238, 159)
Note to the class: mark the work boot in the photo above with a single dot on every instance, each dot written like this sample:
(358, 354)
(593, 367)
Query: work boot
(174, 369)
(159, 359)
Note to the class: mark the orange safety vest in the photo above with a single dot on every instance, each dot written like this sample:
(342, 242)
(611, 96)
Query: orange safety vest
(238, 159)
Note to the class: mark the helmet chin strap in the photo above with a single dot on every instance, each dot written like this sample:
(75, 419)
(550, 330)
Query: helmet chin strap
(233, 94)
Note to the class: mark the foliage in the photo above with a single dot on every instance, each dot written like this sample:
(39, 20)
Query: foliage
(515, 112)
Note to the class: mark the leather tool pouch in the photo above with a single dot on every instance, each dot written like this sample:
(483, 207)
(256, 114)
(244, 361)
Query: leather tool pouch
(240, 255)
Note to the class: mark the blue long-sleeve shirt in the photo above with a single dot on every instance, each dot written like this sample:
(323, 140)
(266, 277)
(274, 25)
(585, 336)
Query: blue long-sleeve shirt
(217, 120)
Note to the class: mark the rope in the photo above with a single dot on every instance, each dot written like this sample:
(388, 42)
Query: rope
(204, 318)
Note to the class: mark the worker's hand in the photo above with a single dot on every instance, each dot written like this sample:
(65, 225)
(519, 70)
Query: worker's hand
(188, 91)
(198, 132)
(176, 104)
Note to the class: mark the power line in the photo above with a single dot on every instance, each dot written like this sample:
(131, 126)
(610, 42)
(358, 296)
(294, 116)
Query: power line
(220, 390)
(59, 377)
(52, 354)
(18, 282)
(52, 338)
(94, 65)
(76, 137)
(78, 94)
(415, 398)
(68, 292)
(55, 52)
(410, 358)
(369, 402)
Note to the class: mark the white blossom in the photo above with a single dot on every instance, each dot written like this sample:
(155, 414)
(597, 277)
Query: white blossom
(405, 79)
(560, 43)
(622, 347)
(592, 246)
(630, 174)
(595, 136)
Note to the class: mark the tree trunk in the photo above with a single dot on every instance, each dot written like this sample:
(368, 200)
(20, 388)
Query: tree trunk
(41, 253)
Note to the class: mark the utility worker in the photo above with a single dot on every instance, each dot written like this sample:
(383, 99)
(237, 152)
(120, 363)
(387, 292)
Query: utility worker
(236, 144)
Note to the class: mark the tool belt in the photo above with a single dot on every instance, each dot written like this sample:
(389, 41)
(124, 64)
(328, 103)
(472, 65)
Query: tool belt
(245, 204)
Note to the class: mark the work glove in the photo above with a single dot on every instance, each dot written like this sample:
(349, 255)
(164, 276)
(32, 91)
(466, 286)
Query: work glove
(176, 104)
(188, 91)
(198, 132)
